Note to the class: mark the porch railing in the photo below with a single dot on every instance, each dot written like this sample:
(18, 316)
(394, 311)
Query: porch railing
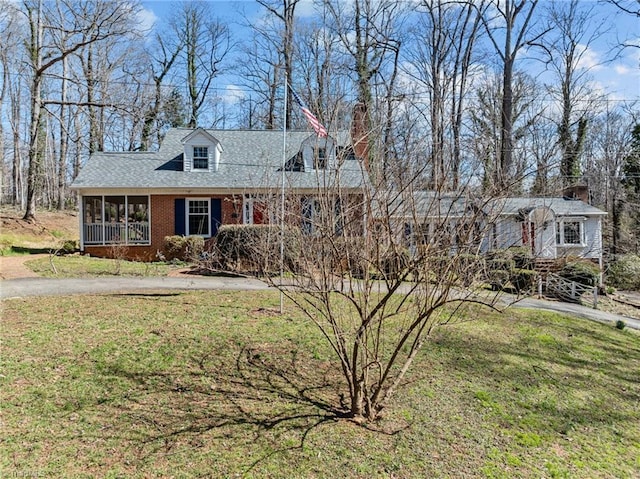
(122, 233)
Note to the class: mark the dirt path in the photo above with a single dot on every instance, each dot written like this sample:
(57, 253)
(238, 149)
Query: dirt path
(12, 267)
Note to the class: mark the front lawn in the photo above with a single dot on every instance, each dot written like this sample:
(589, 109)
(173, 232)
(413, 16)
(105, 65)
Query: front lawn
(77, 266)
(218, 384)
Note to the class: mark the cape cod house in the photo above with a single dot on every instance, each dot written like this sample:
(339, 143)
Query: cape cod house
(200, 179)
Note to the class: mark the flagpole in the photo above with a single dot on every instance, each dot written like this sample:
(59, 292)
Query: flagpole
(282, 180)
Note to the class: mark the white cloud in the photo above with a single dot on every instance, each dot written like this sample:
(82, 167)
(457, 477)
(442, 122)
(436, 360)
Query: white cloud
(622, 69)
(233, 94)
(146, 20)
(588, 58)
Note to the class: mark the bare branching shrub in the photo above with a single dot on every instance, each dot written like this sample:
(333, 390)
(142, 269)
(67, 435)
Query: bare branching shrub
(118, 251)
(624, 272)
(378, 273)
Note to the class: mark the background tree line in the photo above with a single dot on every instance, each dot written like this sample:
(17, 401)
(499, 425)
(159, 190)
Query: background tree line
(480, 95)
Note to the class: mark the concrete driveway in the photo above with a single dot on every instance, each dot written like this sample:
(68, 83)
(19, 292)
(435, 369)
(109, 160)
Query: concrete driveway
(29, 287)
(26, 287)
(576, 310)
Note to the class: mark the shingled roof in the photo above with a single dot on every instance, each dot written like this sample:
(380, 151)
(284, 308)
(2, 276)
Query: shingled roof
(429, 204)
(250, 159)
(560, 206)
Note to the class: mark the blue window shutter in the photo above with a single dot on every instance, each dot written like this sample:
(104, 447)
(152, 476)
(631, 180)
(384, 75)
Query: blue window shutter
(216, 215)
(179, 217)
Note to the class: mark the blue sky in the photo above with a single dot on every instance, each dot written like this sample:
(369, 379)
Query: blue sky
(617, 76)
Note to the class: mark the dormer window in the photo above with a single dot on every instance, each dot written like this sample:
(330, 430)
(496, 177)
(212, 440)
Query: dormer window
(320, 158)
(202, 151)
(200, 158)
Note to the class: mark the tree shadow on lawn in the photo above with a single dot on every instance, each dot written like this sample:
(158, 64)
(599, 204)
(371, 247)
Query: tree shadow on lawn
(554, 378)
(271, 397)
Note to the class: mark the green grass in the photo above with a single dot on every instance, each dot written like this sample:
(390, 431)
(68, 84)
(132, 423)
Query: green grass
(75, 266)
(217, 384)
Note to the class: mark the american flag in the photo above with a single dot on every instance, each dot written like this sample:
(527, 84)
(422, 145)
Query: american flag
(311, 118)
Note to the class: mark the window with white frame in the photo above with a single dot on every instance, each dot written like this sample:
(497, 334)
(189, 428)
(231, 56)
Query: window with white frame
(320, 158)
(200, 158)
(198, 217)
(570, 232)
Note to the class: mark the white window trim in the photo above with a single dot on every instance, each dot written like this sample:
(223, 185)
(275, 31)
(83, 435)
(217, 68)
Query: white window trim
(560, 231)
(187, 215)
(193, 157)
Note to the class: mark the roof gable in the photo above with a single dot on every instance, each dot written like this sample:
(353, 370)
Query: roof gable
(193, 137)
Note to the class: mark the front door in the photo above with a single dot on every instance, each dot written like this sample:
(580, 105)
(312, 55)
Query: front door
(529, 235)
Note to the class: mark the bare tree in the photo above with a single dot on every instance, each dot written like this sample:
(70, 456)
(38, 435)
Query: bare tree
(444, 42)
(8, 54)
(370, 34)
(542, 148)
(631, 183)
(517, 23)
(609, 144)
(84, 24)
(284, 11)
(573, 35)
(322, 75)
(162, 63)
(632, 7)
(206, 43)
(377, 297)
(487, 132)
(261, 68)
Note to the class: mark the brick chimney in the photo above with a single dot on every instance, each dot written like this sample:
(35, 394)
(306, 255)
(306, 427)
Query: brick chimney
(360, 133)
(576, 192)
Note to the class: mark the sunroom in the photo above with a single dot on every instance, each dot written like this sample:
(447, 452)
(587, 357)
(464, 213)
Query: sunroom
(110, 220)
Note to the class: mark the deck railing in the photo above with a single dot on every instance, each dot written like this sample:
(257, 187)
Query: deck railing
(571, 291)
(123, 233)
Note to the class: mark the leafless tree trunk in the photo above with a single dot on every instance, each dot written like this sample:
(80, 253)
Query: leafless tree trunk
(320, 75)
(34, 174)
(16, 124)
(442, 63)
(571, 24)
(284, 11)
(377, 297)
(260, 68)
(85, 24)
(13, 64)
(486, 126)
(64, 139)
(206, 42)
(369, 31)
(609, 144)
(508, 42)
(161, 68)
